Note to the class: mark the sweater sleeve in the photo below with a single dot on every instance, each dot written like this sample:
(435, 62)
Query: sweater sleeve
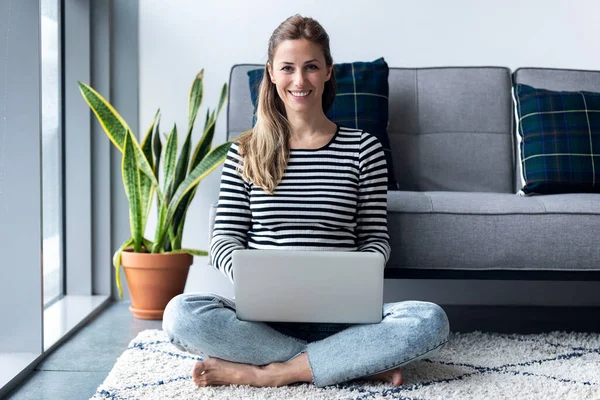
(233, 217)
(371, 230)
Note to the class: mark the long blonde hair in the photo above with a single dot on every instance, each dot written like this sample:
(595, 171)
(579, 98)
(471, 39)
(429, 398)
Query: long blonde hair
(265, 148)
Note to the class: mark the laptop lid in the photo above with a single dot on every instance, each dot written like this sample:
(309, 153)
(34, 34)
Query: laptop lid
(308, 286)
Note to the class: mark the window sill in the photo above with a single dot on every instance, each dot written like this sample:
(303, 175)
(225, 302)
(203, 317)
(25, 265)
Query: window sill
(66, 315)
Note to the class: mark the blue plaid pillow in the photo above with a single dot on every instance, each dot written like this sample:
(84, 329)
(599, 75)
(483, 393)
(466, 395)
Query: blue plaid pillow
(361, 102)
(559, 136)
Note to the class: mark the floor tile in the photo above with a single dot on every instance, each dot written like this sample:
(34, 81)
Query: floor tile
(58, 385)
(96, 347)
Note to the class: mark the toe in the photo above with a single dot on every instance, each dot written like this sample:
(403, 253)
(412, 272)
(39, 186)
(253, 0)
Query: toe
(197, 369)
(198, 373)
(397, 379)
(201, 380)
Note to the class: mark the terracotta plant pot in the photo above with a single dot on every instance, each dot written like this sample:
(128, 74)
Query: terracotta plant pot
(153, 280)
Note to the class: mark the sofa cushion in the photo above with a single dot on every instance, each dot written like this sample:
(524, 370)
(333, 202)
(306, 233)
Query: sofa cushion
(552, 79)
(559, 140)
(361, 101)
(493, 231)
(451, 129)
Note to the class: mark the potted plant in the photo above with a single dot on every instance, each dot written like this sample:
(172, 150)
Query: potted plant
(157, 270)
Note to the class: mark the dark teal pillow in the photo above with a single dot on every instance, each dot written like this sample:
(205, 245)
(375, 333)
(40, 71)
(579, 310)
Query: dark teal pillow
(361, 102)
(559, 136)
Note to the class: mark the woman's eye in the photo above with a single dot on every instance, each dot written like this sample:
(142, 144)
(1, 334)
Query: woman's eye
(287, 68)
(311, 67)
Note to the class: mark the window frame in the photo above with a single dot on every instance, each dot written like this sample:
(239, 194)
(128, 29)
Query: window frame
(60, 157)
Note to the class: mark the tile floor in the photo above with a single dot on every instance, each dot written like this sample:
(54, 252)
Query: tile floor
(80, 365)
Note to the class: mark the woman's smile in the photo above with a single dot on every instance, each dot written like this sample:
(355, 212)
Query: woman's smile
(300, 95)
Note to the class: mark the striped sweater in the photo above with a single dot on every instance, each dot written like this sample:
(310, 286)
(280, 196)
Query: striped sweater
(333, 198)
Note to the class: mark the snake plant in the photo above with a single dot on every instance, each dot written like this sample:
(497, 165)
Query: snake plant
(178, 181)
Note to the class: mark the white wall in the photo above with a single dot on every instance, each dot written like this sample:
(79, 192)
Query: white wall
(177, 38)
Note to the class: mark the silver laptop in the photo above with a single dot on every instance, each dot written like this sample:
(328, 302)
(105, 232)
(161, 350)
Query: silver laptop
(308, 286)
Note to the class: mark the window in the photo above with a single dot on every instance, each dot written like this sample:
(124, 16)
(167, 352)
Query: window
(52, 264)
(46, 163)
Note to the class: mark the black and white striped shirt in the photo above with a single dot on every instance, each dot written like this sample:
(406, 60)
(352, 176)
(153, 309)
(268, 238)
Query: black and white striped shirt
(333, 198)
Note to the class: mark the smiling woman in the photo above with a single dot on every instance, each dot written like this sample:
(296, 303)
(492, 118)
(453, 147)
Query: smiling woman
(298, 181)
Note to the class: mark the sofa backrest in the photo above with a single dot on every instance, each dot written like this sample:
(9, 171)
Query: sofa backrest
(449, 128)
(239, 103)
(559, 79)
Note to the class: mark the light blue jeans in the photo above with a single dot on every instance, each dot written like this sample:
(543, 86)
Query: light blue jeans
(206, 325)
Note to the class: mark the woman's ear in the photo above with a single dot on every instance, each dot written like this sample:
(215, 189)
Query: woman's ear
(270, 70)
(329, 71)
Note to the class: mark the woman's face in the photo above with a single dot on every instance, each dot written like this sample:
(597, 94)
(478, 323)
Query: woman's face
(299, 73)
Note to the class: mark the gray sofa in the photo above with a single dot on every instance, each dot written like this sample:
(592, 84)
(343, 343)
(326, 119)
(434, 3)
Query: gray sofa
(452, 136)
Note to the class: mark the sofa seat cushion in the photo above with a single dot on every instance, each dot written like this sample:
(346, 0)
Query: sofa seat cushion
(493, 231)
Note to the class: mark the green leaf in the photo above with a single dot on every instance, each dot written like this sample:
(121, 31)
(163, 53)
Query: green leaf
(170, 245)
(170, 159)
(146, 194)
(180, 215)
(182, 165)
(147, 142)
(146, 187)
(205, 143)
(200, 148)
(131, 182)
(114, 125)
(157, 146)
(203, 146)
(117, 265)
(161, 228)
(222, 99)
(195, 99)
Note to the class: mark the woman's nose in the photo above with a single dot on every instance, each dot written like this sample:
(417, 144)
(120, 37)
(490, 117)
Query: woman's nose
(299, 79)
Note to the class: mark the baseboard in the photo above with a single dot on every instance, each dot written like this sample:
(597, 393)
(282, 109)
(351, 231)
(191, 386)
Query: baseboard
(522, 319)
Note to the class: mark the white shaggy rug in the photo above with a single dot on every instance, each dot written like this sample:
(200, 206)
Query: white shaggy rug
(471, 366)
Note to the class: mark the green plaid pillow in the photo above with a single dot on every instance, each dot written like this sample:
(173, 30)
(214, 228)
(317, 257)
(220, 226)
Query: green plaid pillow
(361, 102)
(559, 136)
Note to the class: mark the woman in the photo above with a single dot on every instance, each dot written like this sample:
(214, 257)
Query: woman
(299, 181)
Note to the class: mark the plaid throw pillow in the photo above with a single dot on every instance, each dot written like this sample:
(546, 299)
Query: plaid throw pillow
(560, 140)
(361, 102)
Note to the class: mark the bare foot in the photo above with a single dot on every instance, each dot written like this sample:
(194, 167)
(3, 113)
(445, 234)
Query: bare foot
(215, 371)
(393, 376)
